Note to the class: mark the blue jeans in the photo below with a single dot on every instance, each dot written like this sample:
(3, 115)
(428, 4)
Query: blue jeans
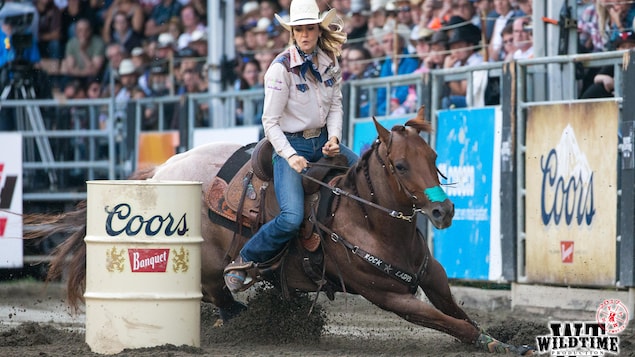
(273, 235)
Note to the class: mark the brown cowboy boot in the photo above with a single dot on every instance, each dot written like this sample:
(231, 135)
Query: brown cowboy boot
(235, 274)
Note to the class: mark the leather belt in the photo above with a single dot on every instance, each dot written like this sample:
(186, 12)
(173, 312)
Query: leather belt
(307, 134)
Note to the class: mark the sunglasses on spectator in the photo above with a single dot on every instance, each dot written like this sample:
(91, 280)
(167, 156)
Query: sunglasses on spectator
(404, 9)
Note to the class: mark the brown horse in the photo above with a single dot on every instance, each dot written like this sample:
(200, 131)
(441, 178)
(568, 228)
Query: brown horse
(371, 244)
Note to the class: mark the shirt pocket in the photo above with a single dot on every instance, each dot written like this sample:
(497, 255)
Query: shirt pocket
(301, 94)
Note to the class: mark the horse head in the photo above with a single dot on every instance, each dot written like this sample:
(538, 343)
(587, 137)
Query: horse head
(412, 163)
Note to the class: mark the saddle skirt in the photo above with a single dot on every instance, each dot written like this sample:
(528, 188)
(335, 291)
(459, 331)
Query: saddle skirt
(226, 198)
(247, 201)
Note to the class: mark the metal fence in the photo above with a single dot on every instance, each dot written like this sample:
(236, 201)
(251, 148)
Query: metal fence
(78, 140)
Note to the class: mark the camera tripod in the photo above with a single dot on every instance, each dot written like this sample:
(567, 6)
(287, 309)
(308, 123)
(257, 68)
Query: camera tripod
(29, 119)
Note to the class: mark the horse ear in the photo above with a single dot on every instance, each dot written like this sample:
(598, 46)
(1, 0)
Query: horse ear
(384, 134)
(417, 121)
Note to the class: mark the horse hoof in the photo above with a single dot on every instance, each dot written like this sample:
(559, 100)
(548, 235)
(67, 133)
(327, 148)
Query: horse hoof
(492, 345)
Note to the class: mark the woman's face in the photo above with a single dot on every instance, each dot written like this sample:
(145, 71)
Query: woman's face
(356, 64)
(306, 36)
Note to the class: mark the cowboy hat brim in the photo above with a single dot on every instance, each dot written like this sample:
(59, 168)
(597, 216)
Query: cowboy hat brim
(324, 21)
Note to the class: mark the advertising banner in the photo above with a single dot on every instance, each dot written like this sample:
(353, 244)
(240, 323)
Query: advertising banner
(468, 149)
(364, 133)
(571, 193)
(11, 252)
(156, 147)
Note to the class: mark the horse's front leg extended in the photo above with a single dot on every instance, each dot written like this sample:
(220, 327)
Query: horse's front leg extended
(421, 313)
(436, 286)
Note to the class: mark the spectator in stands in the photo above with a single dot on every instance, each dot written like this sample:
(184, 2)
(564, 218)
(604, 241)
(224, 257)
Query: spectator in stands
(603, 82)
(141, 62)
(127, 76)
(508, 41)
(84, 53)
(442, 11)
(394, 45)
(115, 53)
(160, 17)
(466, 10)
(191, 21)
(377, 19)
(361, 66)
(192, 83)
(592, 37)
(523, 40)
(159, 81)
(267, 10)
(358, 23)
(199, 43)
(526, 7)
(262, 32)
(404, 17)
(250, 79)
(438, 51)
(505, 13)
(374, 45)
(165, 47)
(71, 14)
(487, 16)
(265, 57)
(132, 11)
(464, 51)
(49, 29)
(123, 34)
(175, 27)
(422, 47)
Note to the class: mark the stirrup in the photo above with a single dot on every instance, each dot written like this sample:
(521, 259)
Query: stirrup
(235, 275)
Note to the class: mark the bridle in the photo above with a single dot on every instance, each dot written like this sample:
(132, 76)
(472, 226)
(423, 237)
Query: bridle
(434, 193)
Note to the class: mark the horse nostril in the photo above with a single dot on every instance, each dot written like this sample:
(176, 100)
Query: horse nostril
(437, 213)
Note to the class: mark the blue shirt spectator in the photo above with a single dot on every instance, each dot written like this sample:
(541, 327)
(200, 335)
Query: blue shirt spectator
(405, 65)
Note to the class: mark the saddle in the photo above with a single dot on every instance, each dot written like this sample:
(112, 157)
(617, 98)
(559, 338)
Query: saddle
(242, 198)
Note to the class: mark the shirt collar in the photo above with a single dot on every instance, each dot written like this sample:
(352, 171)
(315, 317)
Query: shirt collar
(295, 58)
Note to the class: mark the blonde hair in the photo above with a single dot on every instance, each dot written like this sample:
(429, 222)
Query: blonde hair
(331, 38)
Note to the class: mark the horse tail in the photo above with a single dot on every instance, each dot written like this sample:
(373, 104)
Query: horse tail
(68, 259)
(70, 256)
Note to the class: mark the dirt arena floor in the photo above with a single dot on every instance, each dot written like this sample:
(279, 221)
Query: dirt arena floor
(35, 321)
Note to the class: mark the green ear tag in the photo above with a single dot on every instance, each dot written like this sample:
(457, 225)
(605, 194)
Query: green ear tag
(435, 194)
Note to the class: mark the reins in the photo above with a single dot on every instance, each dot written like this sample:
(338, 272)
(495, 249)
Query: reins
(389, 169)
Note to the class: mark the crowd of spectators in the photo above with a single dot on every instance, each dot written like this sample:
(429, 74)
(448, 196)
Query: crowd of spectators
(162, 44)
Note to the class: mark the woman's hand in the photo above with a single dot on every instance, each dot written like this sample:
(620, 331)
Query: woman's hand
(331, 148)
(297, 162)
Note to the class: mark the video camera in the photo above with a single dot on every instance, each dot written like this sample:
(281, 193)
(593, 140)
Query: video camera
(20, 17)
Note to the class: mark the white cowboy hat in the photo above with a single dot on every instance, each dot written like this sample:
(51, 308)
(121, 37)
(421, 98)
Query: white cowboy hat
(126, 67)
(306, 12)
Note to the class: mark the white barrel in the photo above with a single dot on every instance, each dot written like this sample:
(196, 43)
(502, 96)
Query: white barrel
(143, 264)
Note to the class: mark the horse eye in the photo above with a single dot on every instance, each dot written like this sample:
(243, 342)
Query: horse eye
(401, 167)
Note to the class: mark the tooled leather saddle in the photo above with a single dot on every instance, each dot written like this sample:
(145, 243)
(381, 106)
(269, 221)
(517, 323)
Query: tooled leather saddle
(242, 198)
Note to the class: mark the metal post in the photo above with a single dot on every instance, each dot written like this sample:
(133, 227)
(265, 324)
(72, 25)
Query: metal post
(215, 43)
(626, 241)
(508, 210)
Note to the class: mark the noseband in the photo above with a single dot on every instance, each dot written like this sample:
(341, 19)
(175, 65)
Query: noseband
(434, 194)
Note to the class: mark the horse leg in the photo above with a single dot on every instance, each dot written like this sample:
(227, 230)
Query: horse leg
(212, 282)
(436, 286)
(421, 313)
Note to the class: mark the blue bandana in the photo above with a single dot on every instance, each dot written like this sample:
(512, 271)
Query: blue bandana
(309, 65)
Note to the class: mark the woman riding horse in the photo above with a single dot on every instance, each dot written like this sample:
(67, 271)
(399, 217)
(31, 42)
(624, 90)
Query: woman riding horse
(302, 118)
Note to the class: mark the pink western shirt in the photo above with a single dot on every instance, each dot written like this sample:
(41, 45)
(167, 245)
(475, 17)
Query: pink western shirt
(293, 104)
